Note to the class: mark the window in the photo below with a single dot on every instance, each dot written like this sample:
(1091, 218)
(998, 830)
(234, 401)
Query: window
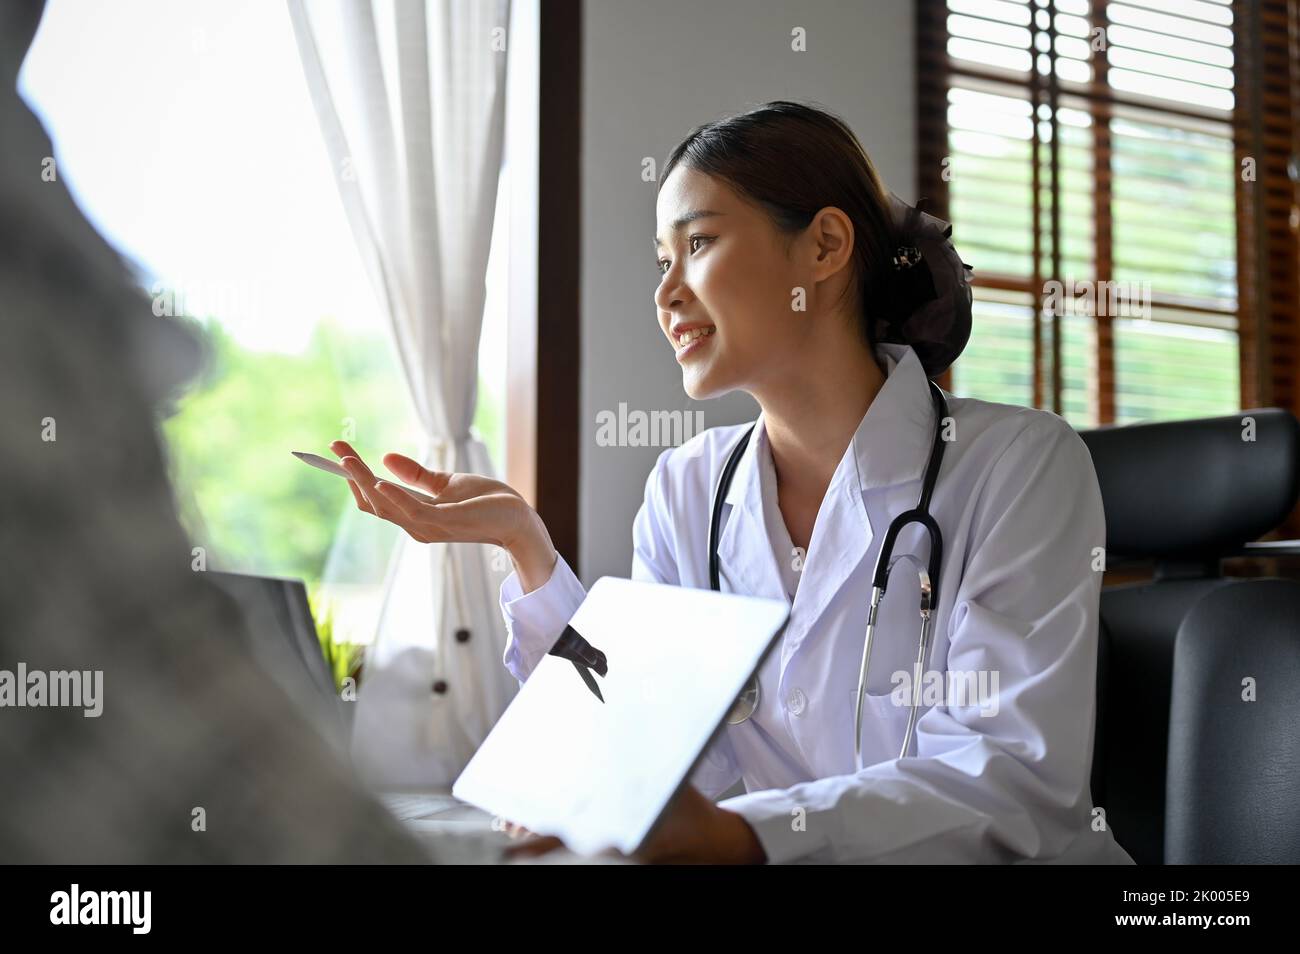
(1084, 151)
(186, 132)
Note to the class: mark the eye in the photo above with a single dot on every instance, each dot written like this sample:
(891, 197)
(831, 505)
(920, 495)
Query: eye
(661, 266)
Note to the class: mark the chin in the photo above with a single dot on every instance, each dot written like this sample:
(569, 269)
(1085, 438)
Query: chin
(702, 387)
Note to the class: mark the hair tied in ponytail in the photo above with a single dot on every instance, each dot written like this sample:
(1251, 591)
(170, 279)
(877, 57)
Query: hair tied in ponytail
(928, 297)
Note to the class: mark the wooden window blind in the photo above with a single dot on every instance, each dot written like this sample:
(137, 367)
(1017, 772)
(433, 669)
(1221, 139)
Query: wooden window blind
(1088, 154)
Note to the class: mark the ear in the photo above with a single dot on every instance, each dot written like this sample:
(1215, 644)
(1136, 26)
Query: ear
(831, 242)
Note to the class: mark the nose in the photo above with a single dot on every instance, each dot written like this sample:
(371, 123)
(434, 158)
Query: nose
(670, 293)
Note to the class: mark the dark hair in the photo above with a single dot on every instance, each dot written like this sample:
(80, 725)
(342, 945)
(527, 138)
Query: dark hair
(794, 160)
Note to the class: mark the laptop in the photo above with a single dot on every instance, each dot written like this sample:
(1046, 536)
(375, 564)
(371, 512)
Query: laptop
(284, 643)
(614, 720)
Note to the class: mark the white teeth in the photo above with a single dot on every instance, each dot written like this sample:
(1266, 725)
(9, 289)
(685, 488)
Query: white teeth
(686, 337)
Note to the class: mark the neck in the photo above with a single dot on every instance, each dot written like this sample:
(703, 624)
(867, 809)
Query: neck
(812, 411)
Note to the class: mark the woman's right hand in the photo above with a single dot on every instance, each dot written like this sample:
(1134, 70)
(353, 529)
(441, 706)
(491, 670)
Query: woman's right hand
(468, 508)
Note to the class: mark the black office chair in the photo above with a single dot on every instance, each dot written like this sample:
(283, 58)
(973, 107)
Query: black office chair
(1234, 739)
(1185, 495)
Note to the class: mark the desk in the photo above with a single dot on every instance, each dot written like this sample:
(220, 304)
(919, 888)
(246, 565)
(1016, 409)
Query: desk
(460, 834)
(439, 807)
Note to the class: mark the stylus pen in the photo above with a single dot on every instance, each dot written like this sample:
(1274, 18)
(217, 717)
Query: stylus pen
(330, 467)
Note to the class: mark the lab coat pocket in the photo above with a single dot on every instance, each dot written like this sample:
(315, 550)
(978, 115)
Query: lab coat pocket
(884, 720)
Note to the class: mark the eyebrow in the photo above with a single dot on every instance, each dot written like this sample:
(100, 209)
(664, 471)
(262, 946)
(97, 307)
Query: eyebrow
(687, 219)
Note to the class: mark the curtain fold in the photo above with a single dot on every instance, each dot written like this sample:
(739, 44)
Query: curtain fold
(410, 96)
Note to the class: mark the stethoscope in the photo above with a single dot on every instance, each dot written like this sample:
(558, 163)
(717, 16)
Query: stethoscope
(747, 702)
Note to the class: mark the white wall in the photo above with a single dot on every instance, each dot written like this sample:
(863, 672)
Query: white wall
(652, 72)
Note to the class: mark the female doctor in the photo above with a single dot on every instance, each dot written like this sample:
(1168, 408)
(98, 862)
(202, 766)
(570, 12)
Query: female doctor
(788, 271)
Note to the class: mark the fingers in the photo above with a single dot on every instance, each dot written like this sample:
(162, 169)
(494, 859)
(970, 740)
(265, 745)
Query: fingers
(396, 505)
(357, 468)
(439, 521)
(529, 845)
(400, 500)
(516, 830)
(361, 480)
(361, 474)
(344, 449)
(425, 518)
(372, 500)
(361, 501)
(411, 472)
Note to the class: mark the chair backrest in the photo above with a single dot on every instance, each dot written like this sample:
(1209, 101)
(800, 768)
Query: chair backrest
(1139, 624)
(1234, 736)
(1184, 495)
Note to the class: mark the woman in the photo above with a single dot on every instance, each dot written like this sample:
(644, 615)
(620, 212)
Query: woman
(789, 272)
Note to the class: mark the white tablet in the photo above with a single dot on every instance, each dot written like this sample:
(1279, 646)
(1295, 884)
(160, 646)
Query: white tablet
(593, 758)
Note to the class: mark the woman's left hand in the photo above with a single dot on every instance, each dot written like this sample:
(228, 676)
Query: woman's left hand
(693, 830)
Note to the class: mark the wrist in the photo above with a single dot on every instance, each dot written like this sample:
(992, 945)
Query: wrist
(531, 552)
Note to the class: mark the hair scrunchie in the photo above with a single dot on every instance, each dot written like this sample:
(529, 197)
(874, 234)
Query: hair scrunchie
(927, 294)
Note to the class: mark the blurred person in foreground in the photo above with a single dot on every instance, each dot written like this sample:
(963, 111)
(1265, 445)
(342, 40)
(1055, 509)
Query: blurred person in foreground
(95, 575)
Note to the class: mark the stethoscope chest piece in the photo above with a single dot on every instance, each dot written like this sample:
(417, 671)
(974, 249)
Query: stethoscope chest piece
(746, 703)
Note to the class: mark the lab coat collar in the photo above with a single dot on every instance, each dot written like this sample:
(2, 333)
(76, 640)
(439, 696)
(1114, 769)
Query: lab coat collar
(891, 444)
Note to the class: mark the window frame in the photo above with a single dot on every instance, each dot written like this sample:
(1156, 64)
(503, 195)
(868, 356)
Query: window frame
(935, 73)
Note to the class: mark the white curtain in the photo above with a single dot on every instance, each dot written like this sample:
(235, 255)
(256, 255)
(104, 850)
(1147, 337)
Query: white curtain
(411, 101)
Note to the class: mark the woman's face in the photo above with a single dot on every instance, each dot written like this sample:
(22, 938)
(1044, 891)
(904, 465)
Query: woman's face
(727, 274)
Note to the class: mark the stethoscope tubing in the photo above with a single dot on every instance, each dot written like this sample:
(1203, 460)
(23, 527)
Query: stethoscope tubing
(748, 701)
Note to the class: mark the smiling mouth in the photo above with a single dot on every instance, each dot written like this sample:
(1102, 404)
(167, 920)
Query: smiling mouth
(690, 340)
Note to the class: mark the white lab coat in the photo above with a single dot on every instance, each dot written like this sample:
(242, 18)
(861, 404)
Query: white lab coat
(1019, 507)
